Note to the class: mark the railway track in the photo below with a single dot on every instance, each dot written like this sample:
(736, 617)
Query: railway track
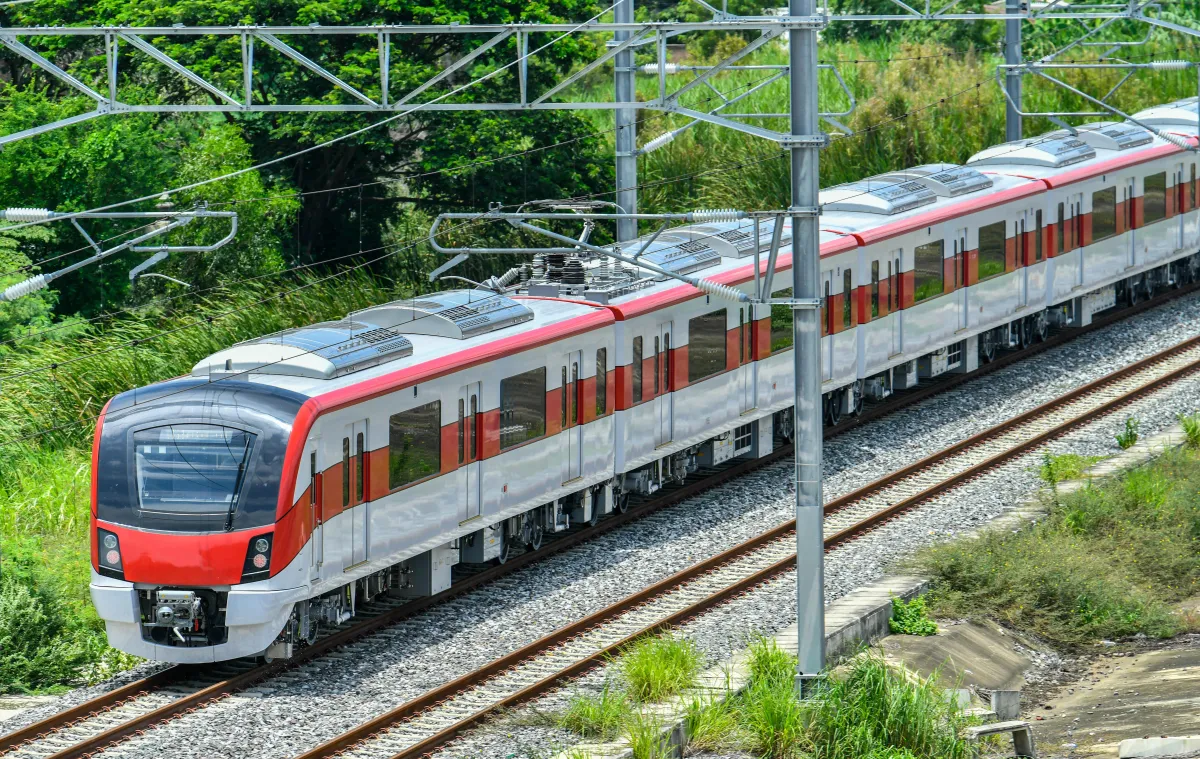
(114, 716)
(428, 722)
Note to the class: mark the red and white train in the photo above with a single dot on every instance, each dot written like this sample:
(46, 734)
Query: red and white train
(290, 477)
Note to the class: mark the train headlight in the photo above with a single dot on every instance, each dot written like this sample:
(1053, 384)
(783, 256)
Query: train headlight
(109, 554)
(258, 558)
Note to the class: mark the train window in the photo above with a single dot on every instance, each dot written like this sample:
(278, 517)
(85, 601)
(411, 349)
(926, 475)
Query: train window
(602, 382)
(574, 393)
(781, 320)
(360, 455)
(1037, 236)
(706, 345)
(1019, 241)
(1154, 201)
(562, 401)
(667, 363)
(874, 289)
(473, 451)
(313, 496)
(523, 407)
(741, 335)
(847, 298)
(636, 369)
(991, 250)
(1104, 212)
(927, 270)
(654, 371)
(415, 444)
(192, 469)
(462, 431)
(891, 291)
(345, 471)
(1062, 224)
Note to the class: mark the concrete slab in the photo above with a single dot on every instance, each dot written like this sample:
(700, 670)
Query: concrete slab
(1139, 748)
(1152, 693)
(11, 706)
(979, 656)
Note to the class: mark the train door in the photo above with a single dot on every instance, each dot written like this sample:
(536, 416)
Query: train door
(468, 451)
(1022, 257)
(662, 374)
(746, 366)
(354, 493)
(1127, 204)
(1177, 238)
(315, 512)
(960, 275)
(572, 429)
(897, 320)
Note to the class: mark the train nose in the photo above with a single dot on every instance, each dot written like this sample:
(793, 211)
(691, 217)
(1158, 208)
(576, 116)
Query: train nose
(165, 615)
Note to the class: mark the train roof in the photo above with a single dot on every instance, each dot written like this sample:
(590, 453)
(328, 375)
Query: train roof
(1179, 114)
(950, 191)
(317, 362)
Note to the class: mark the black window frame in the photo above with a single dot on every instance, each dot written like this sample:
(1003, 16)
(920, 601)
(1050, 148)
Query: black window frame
(635, 368)
(1104, 213)
(601, 381)
(993, 250)
(1154, 206)
(927, 283)
(532, 384)
(401, 439)
(702, 345)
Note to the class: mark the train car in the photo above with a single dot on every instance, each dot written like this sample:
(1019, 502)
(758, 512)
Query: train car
(290, 478)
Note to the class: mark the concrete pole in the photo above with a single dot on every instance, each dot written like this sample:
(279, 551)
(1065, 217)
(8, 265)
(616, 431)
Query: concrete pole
(806, 332)
(1012, 79)
(626, 127)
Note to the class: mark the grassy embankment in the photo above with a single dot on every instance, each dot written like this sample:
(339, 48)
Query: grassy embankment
(48, 632)
(1110, 561)
(866, 709)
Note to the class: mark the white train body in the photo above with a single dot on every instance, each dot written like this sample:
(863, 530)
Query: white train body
(451, 427)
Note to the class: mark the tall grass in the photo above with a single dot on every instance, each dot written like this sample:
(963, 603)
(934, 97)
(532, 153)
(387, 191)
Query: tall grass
(1109, 560)
(655, 668)
(868, 710)
(953, 104)
(61, 385)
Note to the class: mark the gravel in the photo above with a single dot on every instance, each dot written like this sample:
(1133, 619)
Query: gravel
(319, 700)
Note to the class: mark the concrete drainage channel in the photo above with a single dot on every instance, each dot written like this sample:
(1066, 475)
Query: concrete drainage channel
(861, 617)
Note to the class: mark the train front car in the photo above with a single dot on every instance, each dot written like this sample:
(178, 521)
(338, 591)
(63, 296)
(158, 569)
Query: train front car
(185, 485)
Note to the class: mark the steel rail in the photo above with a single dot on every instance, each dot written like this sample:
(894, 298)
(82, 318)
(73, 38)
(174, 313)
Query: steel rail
(444, 693)
(128, 693)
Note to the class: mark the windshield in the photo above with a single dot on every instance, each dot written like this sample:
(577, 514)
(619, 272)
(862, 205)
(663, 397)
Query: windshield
(191, 468)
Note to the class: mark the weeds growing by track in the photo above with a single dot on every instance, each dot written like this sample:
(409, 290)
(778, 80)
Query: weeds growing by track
(1109, 561)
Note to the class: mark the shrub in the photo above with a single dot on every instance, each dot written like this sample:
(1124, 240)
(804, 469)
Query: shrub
(645, 735)
(911, 618)
(1071, 578)
(655, 668)
(596, 716)
(1191, 429)
(1056, 468)
(1127, 437)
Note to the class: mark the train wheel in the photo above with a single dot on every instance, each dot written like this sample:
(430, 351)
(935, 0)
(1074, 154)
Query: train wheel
(506, 547)
(621, 502)
(1132, 292)
(987, 346)
(1037, 327)
(534, 534)
(856, 397)
(833, 409)
(595, 514)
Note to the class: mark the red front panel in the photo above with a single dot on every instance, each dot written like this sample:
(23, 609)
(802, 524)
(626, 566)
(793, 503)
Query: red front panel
(189, 560)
